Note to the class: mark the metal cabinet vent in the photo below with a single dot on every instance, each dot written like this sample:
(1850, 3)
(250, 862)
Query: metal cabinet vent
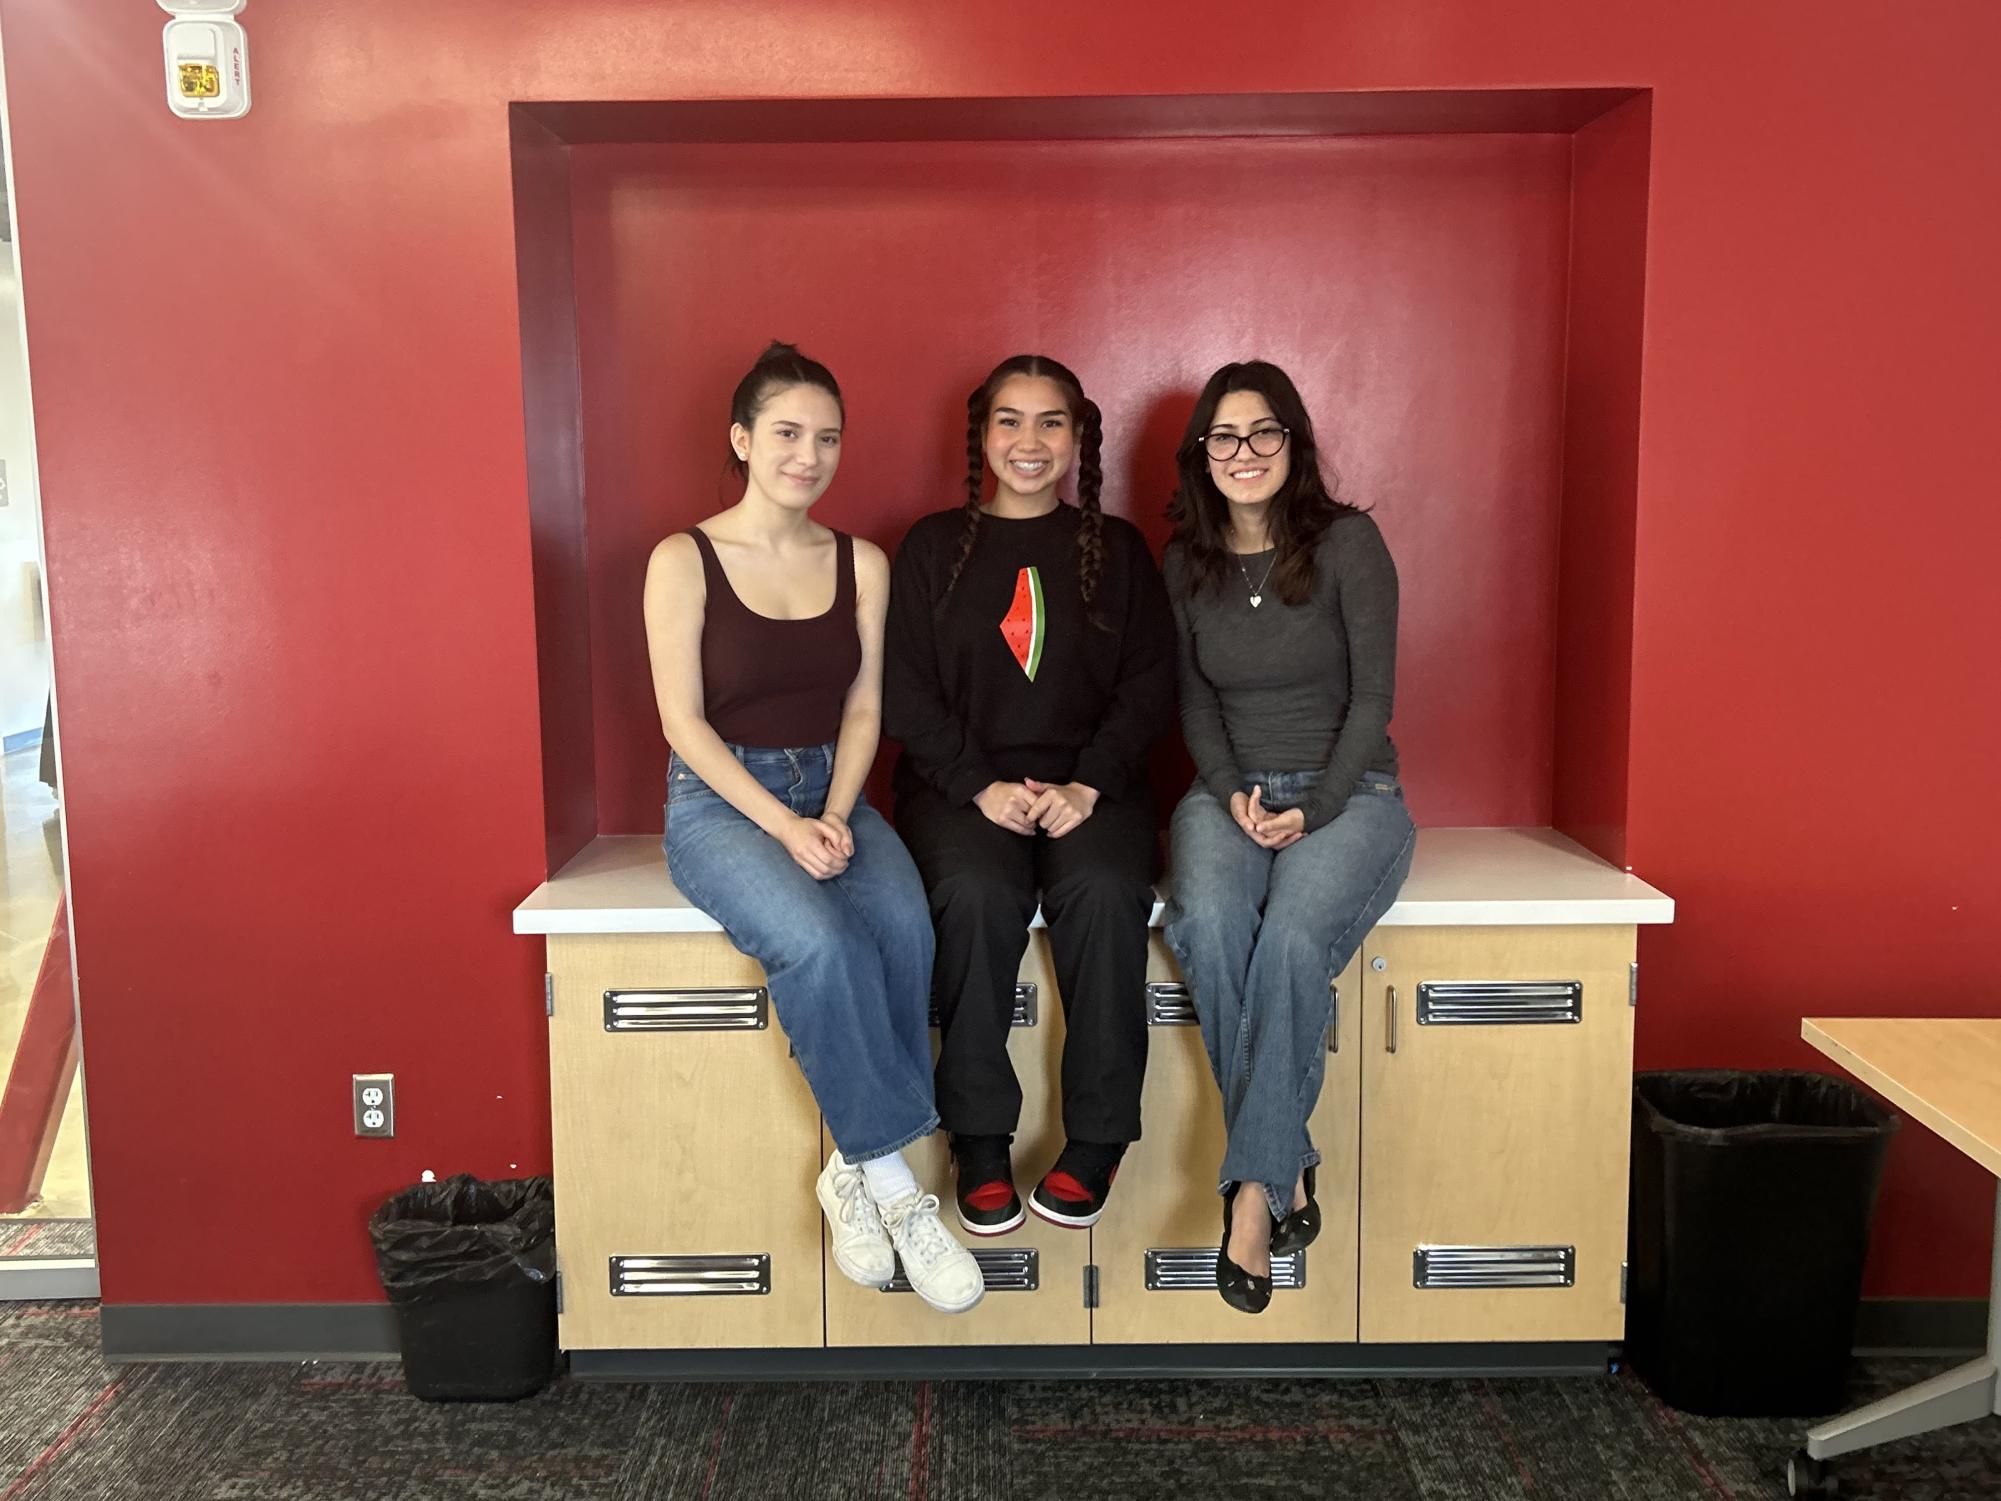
(1494, 1266)
(1169, 1003)
(1002, 1270)
(1174, 1269)
(1499, 1003)
(1027, 1008)
(690, 1276)
(726, 1009)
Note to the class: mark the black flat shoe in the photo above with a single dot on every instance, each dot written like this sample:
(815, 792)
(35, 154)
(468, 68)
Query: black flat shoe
(1244, 1291)
(1301, 1227)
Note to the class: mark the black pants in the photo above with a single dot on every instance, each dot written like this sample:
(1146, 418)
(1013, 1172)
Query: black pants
(1096, 889)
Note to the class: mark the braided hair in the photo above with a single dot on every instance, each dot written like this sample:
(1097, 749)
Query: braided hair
(1090, 468)
(976, 425)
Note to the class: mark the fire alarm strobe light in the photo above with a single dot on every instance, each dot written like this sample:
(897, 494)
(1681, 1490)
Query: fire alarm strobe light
(208, 59)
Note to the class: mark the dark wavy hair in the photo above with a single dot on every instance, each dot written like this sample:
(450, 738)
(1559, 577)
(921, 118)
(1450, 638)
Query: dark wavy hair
(1090, 467)
(779, 368)
(1301, 511)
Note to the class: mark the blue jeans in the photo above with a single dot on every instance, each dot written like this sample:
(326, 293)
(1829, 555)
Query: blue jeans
(847, 960)
(1261, 935)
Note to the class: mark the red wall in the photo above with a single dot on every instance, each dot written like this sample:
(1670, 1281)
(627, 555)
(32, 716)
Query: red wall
(293, 610)
(552, 395)
(1414, 286)
(1601, 452)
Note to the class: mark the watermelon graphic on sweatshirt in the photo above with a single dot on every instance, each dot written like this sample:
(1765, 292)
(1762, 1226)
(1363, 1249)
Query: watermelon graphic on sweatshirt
(1023, 625)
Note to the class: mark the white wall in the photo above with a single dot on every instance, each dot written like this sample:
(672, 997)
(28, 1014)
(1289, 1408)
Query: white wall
(24, 643)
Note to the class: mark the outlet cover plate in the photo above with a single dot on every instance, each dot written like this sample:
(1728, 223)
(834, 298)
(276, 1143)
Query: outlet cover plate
(374, 1104)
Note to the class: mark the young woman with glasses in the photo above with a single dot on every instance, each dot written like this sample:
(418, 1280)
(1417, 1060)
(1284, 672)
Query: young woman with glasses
(1294, 839)
(1030, 669)
(765, 631)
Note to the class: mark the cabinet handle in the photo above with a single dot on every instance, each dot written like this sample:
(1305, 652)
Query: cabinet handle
(1026, 1010)
(690, 1276)
(1392, 1007)
(1334, 1019)
(1001, 1269)
(700, 1009)
(1169, 1003)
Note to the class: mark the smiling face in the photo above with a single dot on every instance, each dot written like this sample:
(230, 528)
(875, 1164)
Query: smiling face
(793, 446)
(1031, 438)
(1246, 478)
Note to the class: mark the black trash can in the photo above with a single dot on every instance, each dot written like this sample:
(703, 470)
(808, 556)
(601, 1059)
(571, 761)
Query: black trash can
(1752, 1197)
(470, 1268)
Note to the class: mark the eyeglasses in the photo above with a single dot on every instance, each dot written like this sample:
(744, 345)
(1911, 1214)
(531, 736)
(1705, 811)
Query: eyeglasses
(1265, 442)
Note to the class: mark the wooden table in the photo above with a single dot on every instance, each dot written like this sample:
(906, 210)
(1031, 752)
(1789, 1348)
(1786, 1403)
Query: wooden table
(1944, 1074)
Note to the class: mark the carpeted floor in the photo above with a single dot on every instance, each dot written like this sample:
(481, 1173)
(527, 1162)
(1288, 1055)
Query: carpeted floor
(34, 1239)
(322, 1432)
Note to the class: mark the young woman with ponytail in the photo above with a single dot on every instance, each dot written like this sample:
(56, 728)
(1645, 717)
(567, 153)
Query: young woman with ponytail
(1030, 667)
(765, 631)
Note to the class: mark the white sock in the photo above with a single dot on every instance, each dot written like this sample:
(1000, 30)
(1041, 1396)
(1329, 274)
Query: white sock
(889, 1178)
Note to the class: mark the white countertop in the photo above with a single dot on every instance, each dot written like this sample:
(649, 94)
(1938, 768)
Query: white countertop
(1458, 878)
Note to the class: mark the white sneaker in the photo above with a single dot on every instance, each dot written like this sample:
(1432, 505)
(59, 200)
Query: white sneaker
(861, 1246)
(941, 1271)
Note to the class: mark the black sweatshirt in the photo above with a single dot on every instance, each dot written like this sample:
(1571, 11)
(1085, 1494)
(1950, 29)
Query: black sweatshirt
(957, 689)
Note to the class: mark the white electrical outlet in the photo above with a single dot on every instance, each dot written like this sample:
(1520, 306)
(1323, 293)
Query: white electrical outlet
(374, 1104)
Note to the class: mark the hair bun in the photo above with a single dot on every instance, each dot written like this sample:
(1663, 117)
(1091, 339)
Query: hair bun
(781, 365)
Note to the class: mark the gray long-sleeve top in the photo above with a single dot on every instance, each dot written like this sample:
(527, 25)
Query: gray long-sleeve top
(1292, 687)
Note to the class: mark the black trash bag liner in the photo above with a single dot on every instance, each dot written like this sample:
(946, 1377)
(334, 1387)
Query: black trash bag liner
(1727, 1105)
(1752, 1196)
(464, 1231)
(470, 1271)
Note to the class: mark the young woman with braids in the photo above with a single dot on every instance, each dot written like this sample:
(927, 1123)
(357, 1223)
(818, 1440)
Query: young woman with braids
(1294, 839)
(765, 630)
(1030, 667)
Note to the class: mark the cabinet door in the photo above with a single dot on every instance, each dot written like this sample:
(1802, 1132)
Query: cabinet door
(685, 1147)
(1035, 1275)
(1496, 1096)
(1155, 1248)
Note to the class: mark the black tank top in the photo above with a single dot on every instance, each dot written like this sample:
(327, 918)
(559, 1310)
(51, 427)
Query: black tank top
(777, 683)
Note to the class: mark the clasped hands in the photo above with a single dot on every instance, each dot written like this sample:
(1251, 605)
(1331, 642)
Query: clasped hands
(1025, 806)
(822, 847)
(1272, 831)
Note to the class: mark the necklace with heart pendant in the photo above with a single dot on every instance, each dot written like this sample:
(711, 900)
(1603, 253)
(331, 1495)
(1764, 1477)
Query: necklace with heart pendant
(1257, 589)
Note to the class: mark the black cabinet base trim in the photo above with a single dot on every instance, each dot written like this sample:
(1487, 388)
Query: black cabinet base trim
(1011, 1362)
(367, 1331)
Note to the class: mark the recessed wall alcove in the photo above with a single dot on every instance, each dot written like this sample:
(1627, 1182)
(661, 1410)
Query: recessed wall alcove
(1455, 280)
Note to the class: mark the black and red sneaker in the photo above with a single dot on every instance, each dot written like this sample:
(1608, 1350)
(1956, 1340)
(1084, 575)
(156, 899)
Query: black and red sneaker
(988, 1204)
(1073, 1192)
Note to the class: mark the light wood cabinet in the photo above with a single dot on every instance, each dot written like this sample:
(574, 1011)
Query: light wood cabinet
(1496, 1096)
(1051, 1311)
(685, 1147)
(1155, 1247)
(1474, 1123)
